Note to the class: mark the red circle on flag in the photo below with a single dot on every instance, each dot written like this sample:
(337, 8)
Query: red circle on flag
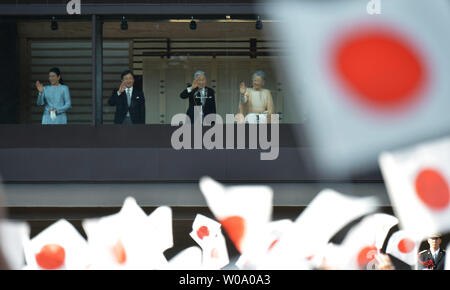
(51, 256)
(432, 189)
(235, 228)
(366, 255)
(119, 252)
(202, 232)
(406, 245)
(381, 67)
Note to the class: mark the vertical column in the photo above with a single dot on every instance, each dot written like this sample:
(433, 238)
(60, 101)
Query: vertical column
(97, 70)
(25, 98)
(214, 82)
(9, 74)
(163, 118)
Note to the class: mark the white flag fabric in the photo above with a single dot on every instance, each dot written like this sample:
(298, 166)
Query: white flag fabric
(59, 246)
(13, 235)
(303, 241)
(215, 254)
(418, 183)
(327, 213)
(404, 247)
(161, 227)
(381, 223)
(187, 259)
(262, 257)
(243, 211)
(204, 229)
(125, 240)
(208, 235)
(369, 82)
(365, 240)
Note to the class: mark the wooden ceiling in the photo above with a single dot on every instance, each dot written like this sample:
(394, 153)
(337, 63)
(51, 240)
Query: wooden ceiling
(133, 7)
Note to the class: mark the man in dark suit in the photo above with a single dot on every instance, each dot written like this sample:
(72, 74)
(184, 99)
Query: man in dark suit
(199, 95)
(434, 257)
(129, 101)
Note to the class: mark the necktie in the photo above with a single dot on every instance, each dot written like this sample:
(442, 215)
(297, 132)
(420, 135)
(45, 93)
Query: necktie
(202, 94)
(128, 97)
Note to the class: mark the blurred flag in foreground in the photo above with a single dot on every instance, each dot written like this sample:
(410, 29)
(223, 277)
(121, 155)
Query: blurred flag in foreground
(160, 221)
(369, 82)
(365, 240)
(418, 183)
(59, 246)
(243, 211)
(13, 235)
(328, 213)
(262, 257)
(404, 247)
(325, 216)
(129, 239)
(206, 232)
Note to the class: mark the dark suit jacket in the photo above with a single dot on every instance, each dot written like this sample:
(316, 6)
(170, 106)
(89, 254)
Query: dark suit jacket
(210, 102)
(426, 260)
(137, 107)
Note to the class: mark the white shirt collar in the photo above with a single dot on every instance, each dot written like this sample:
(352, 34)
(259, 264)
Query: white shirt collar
(435, 253)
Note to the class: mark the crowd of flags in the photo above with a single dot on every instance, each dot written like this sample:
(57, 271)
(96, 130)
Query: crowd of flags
(377, 92)
(418, 184)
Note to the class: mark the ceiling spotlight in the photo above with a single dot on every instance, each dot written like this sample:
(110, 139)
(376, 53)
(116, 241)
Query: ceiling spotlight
(193, 24)
(54, 24)
(124, 24)
(259, 24)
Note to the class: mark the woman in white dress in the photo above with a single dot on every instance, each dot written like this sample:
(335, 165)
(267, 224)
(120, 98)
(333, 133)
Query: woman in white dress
(257, 101)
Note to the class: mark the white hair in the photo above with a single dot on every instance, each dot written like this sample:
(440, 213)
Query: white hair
(198, 73)
(259, 73)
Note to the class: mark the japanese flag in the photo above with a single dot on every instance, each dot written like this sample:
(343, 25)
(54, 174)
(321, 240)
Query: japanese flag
(126, 240)
(59, 246)
(204, 229)
(369, 82)
(359, 249)
(365, 240)
(404, 247)
(418, 182)
(208, 235)
(243, 211)
(361, 244)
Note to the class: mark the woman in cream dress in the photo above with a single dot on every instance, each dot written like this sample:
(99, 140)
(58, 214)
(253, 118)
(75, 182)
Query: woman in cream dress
(257, 101)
